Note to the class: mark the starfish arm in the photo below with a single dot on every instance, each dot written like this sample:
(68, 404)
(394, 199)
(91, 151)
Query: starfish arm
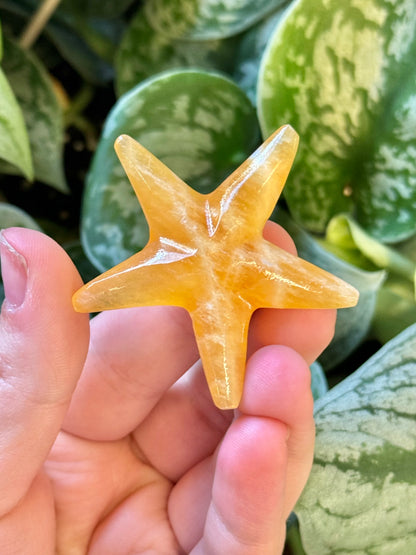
(163, 196)
(274, 278)
(157, 275)
(244, 201)
(221, 333)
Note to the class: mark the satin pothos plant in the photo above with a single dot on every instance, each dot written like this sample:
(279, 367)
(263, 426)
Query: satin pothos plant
(200, 84)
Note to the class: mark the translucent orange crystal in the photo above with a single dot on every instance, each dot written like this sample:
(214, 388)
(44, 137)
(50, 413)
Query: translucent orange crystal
(207, 253)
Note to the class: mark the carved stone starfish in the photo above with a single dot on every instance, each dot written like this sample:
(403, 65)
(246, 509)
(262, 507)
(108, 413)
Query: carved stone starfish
(206, 253)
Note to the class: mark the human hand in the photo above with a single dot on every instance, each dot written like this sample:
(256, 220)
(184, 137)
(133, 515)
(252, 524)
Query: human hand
(111, 448)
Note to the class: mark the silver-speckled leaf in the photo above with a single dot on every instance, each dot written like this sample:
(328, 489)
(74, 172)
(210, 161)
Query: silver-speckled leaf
(344, 75)
(41, 111)
(360, 497)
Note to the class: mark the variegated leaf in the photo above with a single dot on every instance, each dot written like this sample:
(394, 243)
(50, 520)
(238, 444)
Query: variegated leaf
(360, 497)
(42, 113)
(343, 74)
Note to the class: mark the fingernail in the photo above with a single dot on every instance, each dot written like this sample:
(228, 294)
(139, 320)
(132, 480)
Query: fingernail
(14, 273)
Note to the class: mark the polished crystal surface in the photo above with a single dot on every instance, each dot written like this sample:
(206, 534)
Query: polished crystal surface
(207, 254)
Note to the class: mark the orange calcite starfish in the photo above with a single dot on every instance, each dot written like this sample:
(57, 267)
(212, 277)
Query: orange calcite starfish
(206, 253)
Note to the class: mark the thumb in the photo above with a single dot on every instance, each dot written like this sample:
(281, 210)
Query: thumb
(43, 344)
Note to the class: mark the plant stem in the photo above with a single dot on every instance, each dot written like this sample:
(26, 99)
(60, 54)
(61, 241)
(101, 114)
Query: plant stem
(294, 541)
(37, 23)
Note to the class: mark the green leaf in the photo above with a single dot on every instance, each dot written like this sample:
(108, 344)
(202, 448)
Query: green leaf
(343, 74)
(360, 495)
(200, 124)
(12, 216)
(206, 19)
(143, 52)
(354, 323)
(14, 141)
(386, 192)
(42, 113)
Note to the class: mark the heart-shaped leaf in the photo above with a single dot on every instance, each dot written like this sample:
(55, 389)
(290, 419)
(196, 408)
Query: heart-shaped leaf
(199, 124)
(343, 74)
(42, 113)
(206, 19)
(360, 497)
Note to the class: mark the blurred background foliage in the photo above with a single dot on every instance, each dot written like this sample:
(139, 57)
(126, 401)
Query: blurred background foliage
(200, 83)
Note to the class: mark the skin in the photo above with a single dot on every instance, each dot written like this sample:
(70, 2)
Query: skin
(109, 441)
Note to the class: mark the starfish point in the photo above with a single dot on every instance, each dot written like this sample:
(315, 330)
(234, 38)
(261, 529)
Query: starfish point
(207, 254)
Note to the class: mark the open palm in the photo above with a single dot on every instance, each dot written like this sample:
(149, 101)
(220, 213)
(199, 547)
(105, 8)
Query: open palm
(113, 445)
